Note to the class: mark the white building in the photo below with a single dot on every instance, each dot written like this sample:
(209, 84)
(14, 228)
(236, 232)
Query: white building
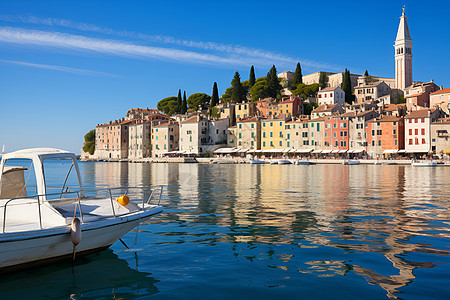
(331, 95)
(417, 130)
(288, 75)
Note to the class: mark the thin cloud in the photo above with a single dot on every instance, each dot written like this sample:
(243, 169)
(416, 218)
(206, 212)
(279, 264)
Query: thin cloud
(118, 48)
(233, 50)
(59, 68)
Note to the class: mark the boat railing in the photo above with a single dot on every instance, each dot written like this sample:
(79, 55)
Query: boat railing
(139, 195)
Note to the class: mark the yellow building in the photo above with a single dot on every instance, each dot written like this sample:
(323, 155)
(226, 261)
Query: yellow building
(244, 110)
(272, 134)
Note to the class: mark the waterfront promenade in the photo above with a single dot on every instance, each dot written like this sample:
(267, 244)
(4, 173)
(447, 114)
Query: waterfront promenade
(241, 160)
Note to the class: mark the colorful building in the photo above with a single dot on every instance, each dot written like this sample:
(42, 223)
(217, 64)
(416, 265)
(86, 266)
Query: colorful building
(248, 134)
(385, 135)
(272, 134)
(165, 138)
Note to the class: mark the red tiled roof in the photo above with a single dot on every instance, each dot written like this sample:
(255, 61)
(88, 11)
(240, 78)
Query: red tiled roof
(248, 120)
(328, 89)
(193, 119)
(443, 91)
(415, 114)
(385, 119)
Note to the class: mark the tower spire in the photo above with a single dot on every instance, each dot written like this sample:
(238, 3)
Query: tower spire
(403, 54)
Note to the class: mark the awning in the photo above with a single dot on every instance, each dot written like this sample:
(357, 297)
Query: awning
(335, 151)
(251, 151)
(402, 151)
(359, 151)
(242, 150)
(350, 151)
(286, 150)
(292, 150)
(326, 151)
(303, 150)
(225, 150)
(446, 151)
(390, 151)
(342, 151)
(317, 151)
(258, 151)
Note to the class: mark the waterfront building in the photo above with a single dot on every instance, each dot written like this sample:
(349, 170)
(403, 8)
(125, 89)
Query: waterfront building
(336, 133)
(440, 140)
(139, 143)
(403, 55)
(248, 133)
(111, 140)
(441, 99)
(244, 110)
(296, 134)
(418, 94)
(142, 113)
(331, 95)
(417, 130)
(226, 110)
(371, 91)
(385, 135)
(232, 137)
(290, 107)
(316, 133)
(165, 138)
(199, 135)
(326, 110)
(357, 128)
(334, 79)
(262, 106)
(287, 75)
(272, 134)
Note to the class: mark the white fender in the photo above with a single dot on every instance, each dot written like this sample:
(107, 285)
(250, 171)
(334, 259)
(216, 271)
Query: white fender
(75, 232)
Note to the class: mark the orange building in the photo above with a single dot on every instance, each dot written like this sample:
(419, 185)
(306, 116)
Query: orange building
(385, 135)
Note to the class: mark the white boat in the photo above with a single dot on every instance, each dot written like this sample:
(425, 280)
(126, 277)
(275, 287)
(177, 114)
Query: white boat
(43, 227)
(304, 162)
(257, 162)
(351, 162)
(424, 163)
(284, 161)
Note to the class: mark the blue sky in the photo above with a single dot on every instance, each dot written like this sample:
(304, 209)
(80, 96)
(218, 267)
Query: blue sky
(68, 65)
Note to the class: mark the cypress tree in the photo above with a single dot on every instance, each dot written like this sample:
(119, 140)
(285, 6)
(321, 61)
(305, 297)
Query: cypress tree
(237, 94)
(366, 73)
(215, 96)
(323, 80)
(179, 102)
(252, 78)
(347, 87)
(298, 77)
(184, 105)
(273, 84)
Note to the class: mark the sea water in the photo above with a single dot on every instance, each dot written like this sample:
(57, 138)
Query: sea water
(265, 232)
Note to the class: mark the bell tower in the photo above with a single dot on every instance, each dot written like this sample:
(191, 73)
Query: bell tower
(403, 55)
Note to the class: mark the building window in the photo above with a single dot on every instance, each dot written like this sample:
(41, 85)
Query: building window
(281, 134)
(240, 135)
(288, 144)
(395, 142)
(288, 136)
(373, 143)
(416, 131)
(394, 131)
(239, 143)
(281, 143)
(253, 135)
(423, 130)
(264, 144)
(423, 141)
(423, 120)
(253, 125)
(264, 134)
(240, 126)
(271, 134)
(264, 124)
(379, 142)
(271, 124)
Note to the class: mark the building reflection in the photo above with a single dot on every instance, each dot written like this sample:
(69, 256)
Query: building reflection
(383, 210)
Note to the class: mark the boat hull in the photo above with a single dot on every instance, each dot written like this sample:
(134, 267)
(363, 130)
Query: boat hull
(38, 247)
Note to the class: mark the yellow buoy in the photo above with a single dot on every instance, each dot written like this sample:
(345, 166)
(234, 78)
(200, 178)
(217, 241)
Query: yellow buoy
(123, 200)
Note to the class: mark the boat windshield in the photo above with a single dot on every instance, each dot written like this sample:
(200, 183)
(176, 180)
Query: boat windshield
(60, 177)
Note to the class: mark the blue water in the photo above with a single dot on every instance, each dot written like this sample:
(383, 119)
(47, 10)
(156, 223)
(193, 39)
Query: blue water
(265, 232)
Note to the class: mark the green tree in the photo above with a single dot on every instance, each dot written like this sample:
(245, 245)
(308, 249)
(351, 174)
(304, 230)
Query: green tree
(252, 78)
(346, 86)
(197, 99)
(184, 104)
(273, 83)
(306, 90)
(89, 142)
(323, 80)
(309, 107)
(366, 73)
(213, 112)
(214, 98)
(226, 97)
(179, 102)
(259, 89)
(238, 93)
(298, 77)
(168, 105)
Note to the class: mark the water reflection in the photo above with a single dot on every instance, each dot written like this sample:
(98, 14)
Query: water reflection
(382, 223)
(98, 276)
